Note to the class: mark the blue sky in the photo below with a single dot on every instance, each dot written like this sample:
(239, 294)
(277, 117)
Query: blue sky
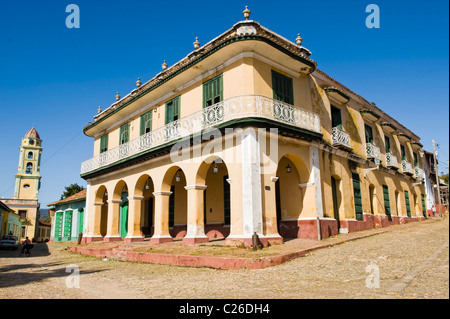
(54, 78)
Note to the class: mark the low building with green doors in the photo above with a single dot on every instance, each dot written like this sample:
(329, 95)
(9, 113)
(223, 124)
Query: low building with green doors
(67, 217)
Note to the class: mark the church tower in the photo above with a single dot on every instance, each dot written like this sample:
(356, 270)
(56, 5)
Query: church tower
(28, 177)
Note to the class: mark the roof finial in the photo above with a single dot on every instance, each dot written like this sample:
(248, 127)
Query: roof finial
(299, 39)
(138, 82)
(246, 13)
(196, 43)
(117, 96)
(164, 65)
(99, 110)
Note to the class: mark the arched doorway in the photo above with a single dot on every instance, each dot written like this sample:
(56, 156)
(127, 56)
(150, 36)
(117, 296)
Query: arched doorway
(175, 182)
(337, 198)
(121, 193)
(144, 189)
(289, 193)
(101, 207)
(213, 173)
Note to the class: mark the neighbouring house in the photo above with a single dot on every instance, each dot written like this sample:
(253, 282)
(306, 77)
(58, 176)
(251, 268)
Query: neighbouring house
(67, 217)
(246, 135)
(10, 223)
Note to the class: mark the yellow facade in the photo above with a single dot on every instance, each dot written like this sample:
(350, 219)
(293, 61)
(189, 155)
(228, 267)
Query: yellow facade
(300, 185)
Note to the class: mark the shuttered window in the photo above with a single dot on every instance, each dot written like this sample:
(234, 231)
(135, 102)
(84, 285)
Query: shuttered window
(104, 143)
(387, 204)
(124, 135)
(146, 123)
(402, 148)
(213, 91)
(388, 144)
(416, 161)
(173, 110)
(408, 205)
(282, 88)
(357, 195)
(369, 134)
(336, 120)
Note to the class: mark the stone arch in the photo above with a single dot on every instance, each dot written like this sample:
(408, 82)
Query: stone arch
(290, 190)
(144, 189)
(175, 181)
(214, 173)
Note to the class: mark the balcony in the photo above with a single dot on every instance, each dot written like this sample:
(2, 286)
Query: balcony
(391, 160)
(373, 152)
(419, 173)
(240, 107)
(407, 168)
(340, 138)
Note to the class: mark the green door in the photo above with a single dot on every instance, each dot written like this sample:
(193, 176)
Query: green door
(335, 201)
(336, 120)
(387, 204)
(369, 134)
(172, 206)
(408, 207)
(58, 226)
(358, 197)
(80, 221)
(424, 207)
(67, 232)
(123, 219)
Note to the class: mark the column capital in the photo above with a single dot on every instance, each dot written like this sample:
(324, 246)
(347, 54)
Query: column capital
(162, 193)
(199, 187)
(112, 201)
(98, 204)
(136, 197)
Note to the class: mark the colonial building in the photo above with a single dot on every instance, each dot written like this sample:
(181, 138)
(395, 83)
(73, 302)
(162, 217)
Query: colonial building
(10, 223)
(27, 184)
(246, 135)
(67, 217)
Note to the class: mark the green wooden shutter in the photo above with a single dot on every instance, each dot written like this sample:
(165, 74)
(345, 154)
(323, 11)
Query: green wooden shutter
(282, 88)
(403, 152)
(336, 120)
(388, 144)
(424, 207)
(416, 162)
(123, 219)
(67, 233)
(408, 205)
(58, 226)
(173, 110)
(81, 220)
(124, 133)
(213, 91)
(104, 143)
(146, 123)
(387, 204)
(358, 197)
(369, 134)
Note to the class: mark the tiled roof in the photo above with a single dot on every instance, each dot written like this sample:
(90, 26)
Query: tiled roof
(32, 133)
(3, 206)
(78, 196)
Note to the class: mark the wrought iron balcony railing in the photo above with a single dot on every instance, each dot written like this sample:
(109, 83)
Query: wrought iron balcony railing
(231, 109)
(407, 167)
(373, 152)
(419, 173)
(340, 138)
(391, 160)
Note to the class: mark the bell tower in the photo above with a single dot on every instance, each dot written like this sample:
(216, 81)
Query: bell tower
(28, 177)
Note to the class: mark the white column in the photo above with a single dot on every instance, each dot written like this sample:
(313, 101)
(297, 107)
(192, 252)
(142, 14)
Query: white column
(251, 183)
(315, 178)
(86, 210)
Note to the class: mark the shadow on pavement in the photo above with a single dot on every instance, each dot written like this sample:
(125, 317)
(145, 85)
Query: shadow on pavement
(38, 250)
(32, 273)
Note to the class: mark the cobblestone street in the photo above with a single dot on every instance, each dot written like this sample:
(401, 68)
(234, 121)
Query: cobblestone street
(411, 262)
